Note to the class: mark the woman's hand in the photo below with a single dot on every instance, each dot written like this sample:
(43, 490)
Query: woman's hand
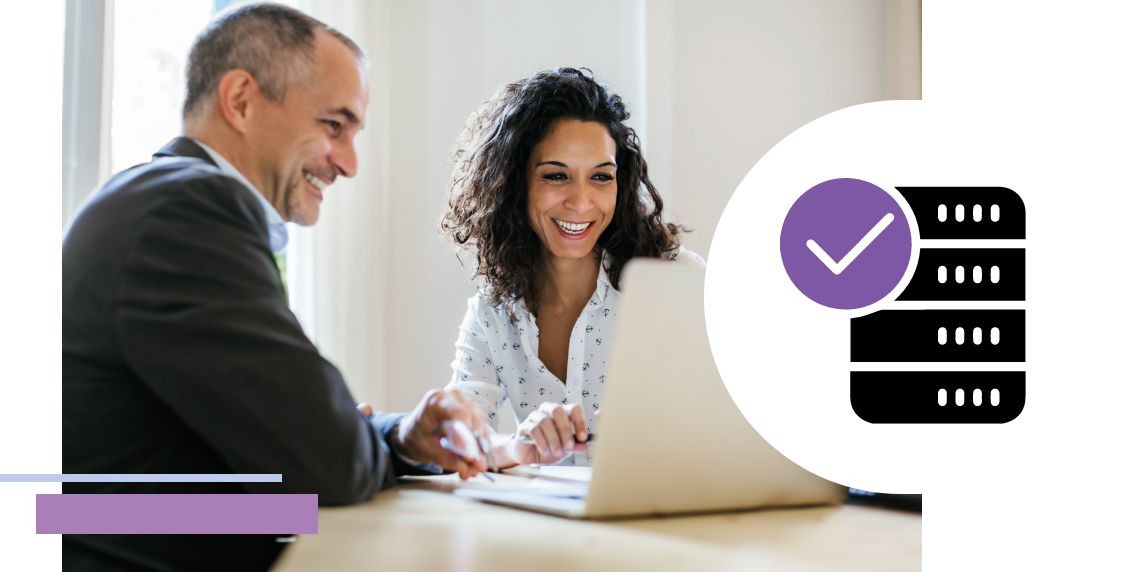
(549, 434)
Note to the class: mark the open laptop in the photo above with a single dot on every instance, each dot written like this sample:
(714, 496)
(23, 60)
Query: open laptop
(671, 439)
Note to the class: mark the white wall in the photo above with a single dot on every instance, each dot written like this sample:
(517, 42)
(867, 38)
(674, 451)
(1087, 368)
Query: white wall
(449, 57)
(733, 78)
(391, 293)
(712, 85)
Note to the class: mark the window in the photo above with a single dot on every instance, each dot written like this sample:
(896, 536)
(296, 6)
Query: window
(150, 40)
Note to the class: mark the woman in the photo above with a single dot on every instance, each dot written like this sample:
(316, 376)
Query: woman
(551, 194)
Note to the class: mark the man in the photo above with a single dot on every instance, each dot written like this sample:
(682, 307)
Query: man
(180, 354)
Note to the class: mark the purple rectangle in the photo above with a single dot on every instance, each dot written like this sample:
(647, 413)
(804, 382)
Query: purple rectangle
(176, 514)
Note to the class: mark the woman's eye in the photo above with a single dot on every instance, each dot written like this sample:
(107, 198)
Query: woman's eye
(555, 177)
(603, 177)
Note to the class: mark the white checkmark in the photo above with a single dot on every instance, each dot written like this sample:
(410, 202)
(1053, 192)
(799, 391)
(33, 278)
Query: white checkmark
(839, 267)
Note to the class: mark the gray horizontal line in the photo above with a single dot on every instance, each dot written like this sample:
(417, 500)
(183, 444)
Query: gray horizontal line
(142, 478)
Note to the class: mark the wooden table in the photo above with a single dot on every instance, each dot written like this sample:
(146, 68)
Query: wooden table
(420, 525)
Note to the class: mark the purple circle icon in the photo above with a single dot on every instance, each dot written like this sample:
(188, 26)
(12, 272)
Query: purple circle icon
(845, 243)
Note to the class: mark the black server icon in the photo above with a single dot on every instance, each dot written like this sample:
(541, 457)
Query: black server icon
(972, 290)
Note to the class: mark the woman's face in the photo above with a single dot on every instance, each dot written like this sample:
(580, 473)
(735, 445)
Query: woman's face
(572, 187)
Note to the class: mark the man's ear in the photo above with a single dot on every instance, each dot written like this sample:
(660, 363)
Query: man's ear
(238, 92)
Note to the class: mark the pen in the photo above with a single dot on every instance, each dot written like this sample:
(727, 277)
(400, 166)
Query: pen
(451, 448)
(484, 446)
(527, 440)
(465, 434)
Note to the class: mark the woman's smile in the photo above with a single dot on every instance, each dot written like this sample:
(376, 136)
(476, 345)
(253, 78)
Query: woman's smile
(573, 230)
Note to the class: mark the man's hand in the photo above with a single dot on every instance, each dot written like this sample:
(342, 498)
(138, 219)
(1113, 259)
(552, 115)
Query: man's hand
(420, 431)
(556, 431)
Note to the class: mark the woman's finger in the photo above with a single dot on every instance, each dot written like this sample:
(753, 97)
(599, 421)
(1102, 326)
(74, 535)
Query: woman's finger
(564, 426)
(548, 428)
(577, 418)
(540, 442)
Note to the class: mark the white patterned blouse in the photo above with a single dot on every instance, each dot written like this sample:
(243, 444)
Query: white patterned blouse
(496, 360)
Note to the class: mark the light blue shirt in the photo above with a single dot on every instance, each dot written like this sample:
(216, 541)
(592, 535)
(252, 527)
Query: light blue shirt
(277, 234)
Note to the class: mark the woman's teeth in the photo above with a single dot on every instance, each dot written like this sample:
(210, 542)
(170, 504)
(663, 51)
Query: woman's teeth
(572, 227)
(318, 183)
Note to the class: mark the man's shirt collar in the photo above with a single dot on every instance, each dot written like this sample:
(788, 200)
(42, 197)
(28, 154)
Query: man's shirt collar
(277, 234)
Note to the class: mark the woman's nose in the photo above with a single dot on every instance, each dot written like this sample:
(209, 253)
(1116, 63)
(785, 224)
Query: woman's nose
(580, 197)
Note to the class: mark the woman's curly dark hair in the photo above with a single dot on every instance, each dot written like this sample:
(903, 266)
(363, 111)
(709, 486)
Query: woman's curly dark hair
(487, 207)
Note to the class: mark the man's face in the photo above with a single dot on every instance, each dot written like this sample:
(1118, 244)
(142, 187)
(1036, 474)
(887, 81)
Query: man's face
(304, 143)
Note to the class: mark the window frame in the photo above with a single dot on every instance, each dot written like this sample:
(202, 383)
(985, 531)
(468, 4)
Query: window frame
(87, 81)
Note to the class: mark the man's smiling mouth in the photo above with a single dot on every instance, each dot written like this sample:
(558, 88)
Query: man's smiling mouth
(318, 183)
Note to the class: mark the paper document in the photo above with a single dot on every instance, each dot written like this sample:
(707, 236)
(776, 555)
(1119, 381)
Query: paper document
(562, 473)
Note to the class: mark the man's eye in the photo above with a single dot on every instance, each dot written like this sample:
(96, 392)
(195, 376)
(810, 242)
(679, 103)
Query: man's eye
(555, 176)
(335, 126)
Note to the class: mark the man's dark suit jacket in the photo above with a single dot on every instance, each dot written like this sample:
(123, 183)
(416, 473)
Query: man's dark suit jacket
(180, 355)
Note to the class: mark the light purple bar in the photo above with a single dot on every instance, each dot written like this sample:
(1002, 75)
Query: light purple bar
(176, 514)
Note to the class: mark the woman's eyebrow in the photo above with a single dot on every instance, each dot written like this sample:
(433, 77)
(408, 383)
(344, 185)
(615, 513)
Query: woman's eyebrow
(560, 164)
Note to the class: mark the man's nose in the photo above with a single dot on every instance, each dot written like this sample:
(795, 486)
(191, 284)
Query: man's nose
(343, 157)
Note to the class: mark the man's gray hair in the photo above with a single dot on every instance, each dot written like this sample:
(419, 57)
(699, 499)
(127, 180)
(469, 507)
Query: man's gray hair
(272, 42)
